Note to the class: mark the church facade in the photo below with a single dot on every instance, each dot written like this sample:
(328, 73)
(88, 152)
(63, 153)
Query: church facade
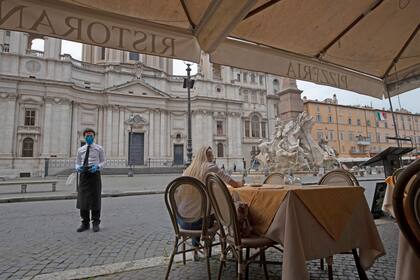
(136, 105)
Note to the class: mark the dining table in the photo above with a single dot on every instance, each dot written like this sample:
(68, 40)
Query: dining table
(312, 222)
(408, 263)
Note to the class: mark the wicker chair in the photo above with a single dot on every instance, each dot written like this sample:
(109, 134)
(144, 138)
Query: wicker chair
(227, 218)
(406, 204)
(341, 177)
(274, 178)
(182, 235)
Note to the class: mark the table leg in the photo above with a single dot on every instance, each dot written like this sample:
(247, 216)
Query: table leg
(360, 271)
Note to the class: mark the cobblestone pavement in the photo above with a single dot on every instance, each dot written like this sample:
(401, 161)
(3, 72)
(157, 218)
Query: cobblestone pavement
(344, 268)
(40, 237)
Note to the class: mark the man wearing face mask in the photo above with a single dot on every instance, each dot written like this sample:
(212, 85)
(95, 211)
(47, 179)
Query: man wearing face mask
(90, 160)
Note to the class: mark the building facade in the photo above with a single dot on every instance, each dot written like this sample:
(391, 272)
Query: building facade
(360, 131)
(133, 101)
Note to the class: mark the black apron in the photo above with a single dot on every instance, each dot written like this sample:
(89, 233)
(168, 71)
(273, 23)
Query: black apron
(89, 191)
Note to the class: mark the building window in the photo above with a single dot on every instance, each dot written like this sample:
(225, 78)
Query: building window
(318, 118)
(254, 98)
(219, 128)
(349, 121)
(368, 123)
(330, 120)
(319, 134)
(385, 124)
(262, 99)
(377, 124)
(378, 137)
(133, 56)
(247, 128)
(261, 79)
(28, 147)
(276, 85)
(246, 96)
(255, 126)
(30, 117)
(263, 131)
(252, 78)
(358, 122)
(238, 77)
(245, 77)
(102, 53)
(220, 152)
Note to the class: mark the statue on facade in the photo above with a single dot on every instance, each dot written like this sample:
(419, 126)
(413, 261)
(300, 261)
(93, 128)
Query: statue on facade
(293, 148)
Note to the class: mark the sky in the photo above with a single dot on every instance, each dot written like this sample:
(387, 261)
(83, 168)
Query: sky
(409, 100)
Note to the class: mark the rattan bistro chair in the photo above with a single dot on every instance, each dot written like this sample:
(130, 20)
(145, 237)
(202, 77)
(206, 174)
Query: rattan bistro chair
(182, 235)
(229, 228)
(406, 204)
(341, 177)
(274, 178)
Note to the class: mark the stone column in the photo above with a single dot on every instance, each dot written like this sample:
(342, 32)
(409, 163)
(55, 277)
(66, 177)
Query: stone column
(121, 134)
(151, 133)
(108, 131)
(164, 133)
(7, 122)
(75, 124)
(52, 47)
(18, 42)
(46, 130)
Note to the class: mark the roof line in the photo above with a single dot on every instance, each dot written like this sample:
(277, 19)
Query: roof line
(185, 8)
(260, 8)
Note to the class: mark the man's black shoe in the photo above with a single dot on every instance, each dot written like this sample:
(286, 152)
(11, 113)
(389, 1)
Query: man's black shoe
(95, 228)
(83, 227)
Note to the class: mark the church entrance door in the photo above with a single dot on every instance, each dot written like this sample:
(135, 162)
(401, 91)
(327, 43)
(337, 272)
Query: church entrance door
(136, 149)
(178, 154)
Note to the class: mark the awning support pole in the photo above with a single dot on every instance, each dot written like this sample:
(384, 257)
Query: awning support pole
(393, 119)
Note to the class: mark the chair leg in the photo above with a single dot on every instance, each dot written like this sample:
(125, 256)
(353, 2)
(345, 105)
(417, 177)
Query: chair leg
(321, 263)
(264, 264)
(207, 248)
(329, 261)
(360, 271)
(222, 263)
(247, 252)
(240, 264)
(171, 259)
(183, 253)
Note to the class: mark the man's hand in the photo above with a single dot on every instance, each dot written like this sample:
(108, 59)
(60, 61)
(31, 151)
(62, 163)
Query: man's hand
(79, 169)
(93, 168)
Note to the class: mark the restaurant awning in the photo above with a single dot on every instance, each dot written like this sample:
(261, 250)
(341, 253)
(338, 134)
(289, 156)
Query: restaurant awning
(366, 46)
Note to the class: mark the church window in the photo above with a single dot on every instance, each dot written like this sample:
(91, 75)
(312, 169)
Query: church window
(102, 53)
(246, 128)
(261, 79)
(254, 98)
(318, 118)
(30, 117)
(28, 147)
(252, 78)
(219, 128)
(246, 96)
(263, 130)
(238, 77)
(133, 56)
(330, 120)
(276, 85)
(255, 126)
(220, 152)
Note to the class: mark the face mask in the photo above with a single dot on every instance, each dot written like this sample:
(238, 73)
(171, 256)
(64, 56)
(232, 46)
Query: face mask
(89, 139)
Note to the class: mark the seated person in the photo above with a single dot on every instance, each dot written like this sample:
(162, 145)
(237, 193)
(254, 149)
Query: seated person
(188, 199)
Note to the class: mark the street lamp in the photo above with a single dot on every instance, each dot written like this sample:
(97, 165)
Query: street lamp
(188, 83)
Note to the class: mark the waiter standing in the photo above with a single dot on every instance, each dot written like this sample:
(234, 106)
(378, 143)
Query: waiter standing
(90, 160)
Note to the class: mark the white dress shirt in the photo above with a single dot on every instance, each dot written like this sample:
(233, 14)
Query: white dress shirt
(96, 156)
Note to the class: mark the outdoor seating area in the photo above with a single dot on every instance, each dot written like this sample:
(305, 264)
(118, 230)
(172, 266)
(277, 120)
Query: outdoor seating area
(308, 222)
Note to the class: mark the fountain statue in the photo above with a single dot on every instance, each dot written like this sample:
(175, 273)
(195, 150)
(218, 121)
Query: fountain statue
(293, 148)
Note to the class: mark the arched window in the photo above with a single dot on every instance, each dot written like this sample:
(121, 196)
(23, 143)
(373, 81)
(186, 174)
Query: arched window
(255, 126)
(28, 147)
(276, 85)
(220, 152)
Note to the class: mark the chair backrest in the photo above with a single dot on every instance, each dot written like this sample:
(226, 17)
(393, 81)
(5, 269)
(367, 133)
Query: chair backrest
(338, 177)
(396, 174)
(223, 206)
(406, 204)
(183, 192)
(274, 178)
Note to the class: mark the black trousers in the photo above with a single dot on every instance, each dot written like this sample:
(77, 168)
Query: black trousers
(96, 215)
